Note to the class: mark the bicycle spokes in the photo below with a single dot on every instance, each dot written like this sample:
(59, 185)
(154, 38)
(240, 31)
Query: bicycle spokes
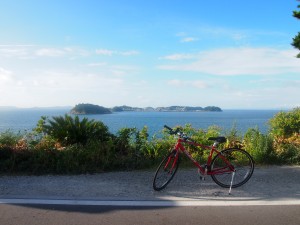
(166, 171)
(232, 168)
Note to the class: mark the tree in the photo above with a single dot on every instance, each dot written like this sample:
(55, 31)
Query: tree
(296, 39)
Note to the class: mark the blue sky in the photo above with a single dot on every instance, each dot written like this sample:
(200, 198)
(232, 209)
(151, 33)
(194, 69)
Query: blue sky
(233, 54)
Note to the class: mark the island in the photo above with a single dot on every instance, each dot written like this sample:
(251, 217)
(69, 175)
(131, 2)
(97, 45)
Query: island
(167, 109)
(189, 109)
(83, 109)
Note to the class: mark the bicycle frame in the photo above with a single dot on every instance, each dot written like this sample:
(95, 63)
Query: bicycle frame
(206, 170)
(218, 165)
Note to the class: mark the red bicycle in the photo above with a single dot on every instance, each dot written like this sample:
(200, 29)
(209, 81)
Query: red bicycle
(229, 168)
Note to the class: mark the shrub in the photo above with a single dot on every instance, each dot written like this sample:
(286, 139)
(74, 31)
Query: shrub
(131, 147)
(234, 138)
(9, 138)
(260, 146)
(70, 130)
(285, 130)
(285, 124)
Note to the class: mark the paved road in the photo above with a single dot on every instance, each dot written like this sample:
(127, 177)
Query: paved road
(267, 184)
(272, 196)
(91, 215)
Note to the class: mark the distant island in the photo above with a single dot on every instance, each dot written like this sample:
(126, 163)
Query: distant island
(82, 109)
(167, 109)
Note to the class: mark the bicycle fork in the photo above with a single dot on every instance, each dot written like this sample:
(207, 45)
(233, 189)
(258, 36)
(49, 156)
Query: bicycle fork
(175, 156)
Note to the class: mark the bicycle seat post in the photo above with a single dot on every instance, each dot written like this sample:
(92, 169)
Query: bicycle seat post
(215, 144)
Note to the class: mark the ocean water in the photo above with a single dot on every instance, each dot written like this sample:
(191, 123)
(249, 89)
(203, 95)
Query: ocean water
(26, 119)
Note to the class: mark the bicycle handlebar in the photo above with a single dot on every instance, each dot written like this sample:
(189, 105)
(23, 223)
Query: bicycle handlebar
(171, 131)
(179, 133)
(187, 138)
(169, 128)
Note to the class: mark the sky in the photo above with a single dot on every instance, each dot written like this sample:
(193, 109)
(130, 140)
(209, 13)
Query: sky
(233, 54)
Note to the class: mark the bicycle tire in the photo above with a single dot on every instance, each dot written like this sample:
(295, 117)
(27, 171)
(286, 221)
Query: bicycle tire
(166, 171)
(243, 164)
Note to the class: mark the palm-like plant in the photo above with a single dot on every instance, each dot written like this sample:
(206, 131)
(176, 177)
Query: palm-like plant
(70, 130)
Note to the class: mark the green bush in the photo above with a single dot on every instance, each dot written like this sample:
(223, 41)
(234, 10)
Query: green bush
(260, 146)
(285, 124)
(9, 138)
(132, 147)
(285, 130)
(70, 130)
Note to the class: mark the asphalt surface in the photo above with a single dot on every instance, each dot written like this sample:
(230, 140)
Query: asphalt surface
(271, 197)
(91, 215)
(268, 184)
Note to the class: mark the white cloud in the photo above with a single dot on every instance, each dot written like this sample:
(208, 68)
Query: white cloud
(5, 75)
(51, 52)
(10, 51)
(113, 69)
(189, 39)
(241, 61)
(176, 83)
(68, 80)
(199, 84)
(264, 97)
(121, 70)
(129, 53)
(104, 52)
(178, 56)
(107, 52)
(34, 51)
(54, 88)
(229, 33)
(100, 64)
(185, 38)
(188, 83)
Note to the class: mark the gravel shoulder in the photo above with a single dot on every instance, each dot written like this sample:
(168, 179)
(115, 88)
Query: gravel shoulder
(267, 183)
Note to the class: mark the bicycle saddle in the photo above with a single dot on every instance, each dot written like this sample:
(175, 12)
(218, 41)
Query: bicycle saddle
(218, 139)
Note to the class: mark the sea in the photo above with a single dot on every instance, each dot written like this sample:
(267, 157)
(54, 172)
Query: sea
(24, 120)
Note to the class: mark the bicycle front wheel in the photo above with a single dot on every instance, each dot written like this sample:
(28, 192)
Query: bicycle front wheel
(229, 160)
(166, 171)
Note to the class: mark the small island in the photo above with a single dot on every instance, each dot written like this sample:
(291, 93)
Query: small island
(84, 109)
(189, 109)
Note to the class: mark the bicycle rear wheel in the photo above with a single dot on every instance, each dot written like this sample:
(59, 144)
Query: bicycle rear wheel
(166, 171)
(241, 162)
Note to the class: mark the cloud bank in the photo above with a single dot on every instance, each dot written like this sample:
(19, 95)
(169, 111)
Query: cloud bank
(236, 61)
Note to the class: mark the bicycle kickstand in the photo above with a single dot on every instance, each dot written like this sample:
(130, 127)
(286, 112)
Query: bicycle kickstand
(232, 177)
